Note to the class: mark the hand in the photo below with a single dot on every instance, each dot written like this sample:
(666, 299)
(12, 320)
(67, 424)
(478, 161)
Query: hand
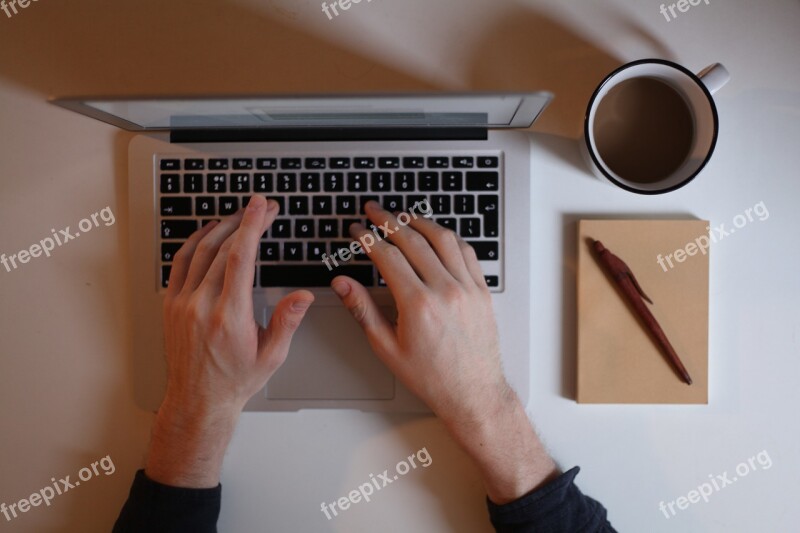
(445, 349)
(217, 355)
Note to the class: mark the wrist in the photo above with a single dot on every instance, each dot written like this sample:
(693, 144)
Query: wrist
(188, 444)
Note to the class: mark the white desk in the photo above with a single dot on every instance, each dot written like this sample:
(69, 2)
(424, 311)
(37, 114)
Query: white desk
(65, 380)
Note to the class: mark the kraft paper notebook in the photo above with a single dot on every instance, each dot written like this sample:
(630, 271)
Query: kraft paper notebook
(617, 360)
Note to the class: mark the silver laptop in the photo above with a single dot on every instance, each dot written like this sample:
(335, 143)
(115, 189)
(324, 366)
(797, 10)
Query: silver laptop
(322, 158)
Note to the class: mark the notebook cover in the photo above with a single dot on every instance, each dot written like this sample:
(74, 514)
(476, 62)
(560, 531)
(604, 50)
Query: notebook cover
(618, 362)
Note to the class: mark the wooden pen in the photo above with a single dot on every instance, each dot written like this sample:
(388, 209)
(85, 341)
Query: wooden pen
(626, 281)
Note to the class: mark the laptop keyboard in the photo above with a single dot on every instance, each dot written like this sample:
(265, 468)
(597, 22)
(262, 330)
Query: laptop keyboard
(320, 197)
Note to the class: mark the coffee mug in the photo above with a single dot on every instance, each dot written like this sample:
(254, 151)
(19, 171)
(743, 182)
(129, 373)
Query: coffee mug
(651, 125)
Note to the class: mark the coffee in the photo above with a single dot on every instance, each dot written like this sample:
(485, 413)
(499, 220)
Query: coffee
(643, 130)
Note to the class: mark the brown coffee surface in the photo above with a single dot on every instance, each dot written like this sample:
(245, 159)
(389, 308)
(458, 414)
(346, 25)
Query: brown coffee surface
(643, 130)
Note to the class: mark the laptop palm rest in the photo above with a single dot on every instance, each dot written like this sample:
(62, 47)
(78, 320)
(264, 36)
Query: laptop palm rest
(330, 359)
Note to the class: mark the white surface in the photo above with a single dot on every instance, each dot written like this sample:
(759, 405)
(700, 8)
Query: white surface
(65, 384)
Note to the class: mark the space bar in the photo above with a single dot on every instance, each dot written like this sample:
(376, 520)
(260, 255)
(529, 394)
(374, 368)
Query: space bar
(312, 275)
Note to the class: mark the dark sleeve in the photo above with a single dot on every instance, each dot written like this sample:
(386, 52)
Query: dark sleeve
(158, 508)
(557, 507)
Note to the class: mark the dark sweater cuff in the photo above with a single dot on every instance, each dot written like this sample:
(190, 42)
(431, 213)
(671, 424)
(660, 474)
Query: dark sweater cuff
(159, 508)
(557, 507)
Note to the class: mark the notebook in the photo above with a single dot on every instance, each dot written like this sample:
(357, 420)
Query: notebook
(618, 362)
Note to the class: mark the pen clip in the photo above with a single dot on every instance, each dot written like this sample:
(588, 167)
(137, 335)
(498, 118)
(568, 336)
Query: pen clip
(636, 283)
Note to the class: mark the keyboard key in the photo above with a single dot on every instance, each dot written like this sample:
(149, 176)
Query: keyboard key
(243, 164)
(228, 205)
(346, 223)
(281, 200)
(438, 162)
(315, 251)
(488, 162)
(339, 162)
(470, 227)
(393, 203)
(266, 163)
(193, 183)
(270, 251)
(488, 207)
(345, 205)
(168, 250)
(292, 251)
(440, 204)
(464, 204)
(281, 229)
(356, 181)
(486, 250)
(492, 281)
(389, 162)
(170, 164)
(328, 228)
(287, 182)
(337, 248)
(170, 183)
(165, 270)
(291, 163)
(333, 182)
(381, 181)
(263, 182)
(216, 183)
(313, 275)
(364, 199)
(364, 162)
(452, 181)
(177, 229)
(413, 162)
(463, 162)
(207, 221)
(309, 182)
(483, 181)
(404, 181)
(176, 206)
(322, 205)
(449, 223)
(304, 228)
(315, 163)
(204, 206)
(414, 199)
(240, 182)
(428, 181)
(245, 201)
(298, 205)
(218, 164)
(195, 164)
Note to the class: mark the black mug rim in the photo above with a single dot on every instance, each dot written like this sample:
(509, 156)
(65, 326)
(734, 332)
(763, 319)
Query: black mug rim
(595, 94)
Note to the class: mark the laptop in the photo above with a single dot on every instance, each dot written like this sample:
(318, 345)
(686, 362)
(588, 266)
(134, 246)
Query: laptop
(322, 157)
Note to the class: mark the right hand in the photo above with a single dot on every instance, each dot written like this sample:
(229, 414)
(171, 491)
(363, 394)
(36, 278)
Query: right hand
(444, 346)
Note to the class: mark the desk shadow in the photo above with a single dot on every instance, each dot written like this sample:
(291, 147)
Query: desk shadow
(569, 293)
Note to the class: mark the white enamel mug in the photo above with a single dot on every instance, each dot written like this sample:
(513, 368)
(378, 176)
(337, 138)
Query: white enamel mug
(696, 90)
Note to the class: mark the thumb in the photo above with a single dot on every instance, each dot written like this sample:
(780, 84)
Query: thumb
(358, 301)
(276, 338)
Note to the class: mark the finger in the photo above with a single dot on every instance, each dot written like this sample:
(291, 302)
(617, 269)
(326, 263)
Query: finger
(207, 250)
(183, 259)
(416, 249)
(276, 338)
(357, 300)
(400, 278)
(472, 263)
(214, 281)
(240, 258)
(447, 245)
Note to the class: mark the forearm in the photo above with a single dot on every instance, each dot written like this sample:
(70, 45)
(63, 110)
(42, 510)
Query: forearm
(187, 450)
(502, 443)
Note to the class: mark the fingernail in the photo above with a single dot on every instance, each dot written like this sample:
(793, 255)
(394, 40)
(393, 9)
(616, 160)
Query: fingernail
(300, 306)
(341, 288)
(272, 205)
(256, 203)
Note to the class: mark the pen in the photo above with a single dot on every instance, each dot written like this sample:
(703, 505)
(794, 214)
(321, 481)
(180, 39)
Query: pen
(630, 288)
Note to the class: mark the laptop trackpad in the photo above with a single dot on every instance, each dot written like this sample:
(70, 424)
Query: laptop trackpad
(330, 359)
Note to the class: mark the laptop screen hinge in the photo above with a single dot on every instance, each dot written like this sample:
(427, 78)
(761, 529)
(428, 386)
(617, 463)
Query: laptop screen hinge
(218, 135)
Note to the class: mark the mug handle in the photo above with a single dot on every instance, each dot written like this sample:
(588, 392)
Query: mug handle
(714, 77)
